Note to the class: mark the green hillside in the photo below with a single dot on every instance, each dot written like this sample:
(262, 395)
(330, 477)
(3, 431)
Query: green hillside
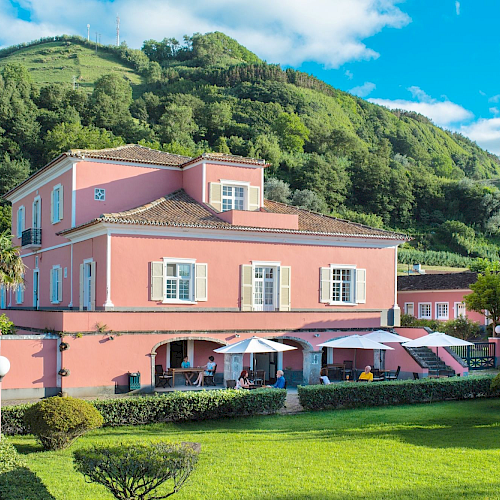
(328, 150)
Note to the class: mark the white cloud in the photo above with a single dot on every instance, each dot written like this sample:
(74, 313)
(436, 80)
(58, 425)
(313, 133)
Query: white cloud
(442, 113)
(494, 111)
(457, 8)
(486, 132)
(330, 32)
(348, 74)
(495, 98)
(363, 90)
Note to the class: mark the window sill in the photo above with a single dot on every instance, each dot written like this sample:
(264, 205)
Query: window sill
(177, 301)
(56, 222)
(342, 303)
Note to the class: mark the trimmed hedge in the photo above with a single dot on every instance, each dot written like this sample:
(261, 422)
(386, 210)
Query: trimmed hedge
(355, 395)
(173, 407)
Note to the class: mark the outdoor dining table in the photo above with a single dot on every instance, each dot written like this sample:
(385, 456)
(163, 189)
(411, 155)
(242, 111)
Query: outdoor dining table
(196, 369)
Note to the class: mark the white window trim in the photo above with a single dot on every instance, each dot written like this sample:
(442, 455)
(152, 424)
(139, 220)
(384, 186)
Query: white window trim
(277, 283)
(55, 213)
(20, 293)
(455, 310)
(21, 221)
(430, 309)
(54, 287)
(39, 199)
(436, 310)
(246, 191)
(406, 308)
(103, 191)
(171, 260)
(352, 302)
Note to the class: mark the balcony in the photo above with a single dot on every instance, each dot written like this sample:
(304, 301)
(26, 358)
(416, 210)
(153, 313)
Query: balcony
(31, 238)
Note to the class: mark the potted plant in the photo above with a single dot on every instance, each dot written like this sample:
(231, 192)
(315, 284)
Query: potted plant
(64, 372)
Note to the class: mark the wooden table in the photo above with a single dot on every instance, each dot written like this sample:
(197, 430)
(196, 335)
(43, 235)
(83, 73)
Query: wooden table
(173, 371)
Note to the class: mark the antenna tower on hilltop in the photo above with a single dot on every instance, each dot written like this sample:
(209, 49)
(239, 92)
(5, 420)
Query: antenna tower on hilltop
(117, 31)
(88, 32)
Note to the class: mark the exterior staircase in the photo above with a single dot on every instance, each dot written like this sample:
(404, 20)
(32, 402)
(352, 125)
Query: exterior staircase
(428, 359)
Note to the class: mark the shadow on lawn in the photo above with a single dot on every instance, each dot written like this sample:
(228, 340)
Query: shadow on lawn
(22, 483)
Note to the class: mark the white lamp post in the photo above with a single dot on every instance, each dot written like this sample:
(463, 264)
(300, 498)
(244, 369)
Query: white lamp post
(4, 369)
(497, 330)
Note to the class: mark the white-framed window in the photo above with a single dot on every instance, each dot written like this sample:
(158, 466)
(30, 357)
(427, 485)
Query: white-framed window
(342, 284)
(265, 286)
(233, 198)
(56, 284)
(460, 310)
(37, 213)
(99, 194)
(21, 221)
(56, 204)
(20, 293)
(424, 310)
(442, 310)
(178, 281)
(410, 308)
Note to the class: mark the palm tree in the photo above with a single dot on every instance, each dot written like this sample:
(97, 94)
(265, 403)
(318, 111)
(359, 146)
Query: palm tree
(11, 264)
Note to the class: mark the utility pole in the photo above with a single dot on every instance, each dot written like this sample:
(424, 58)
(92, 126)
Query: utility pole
(88, 32)
(117, 31)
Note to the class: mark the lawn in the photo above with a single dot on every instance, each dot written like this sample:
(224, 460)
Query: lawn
(444, 450)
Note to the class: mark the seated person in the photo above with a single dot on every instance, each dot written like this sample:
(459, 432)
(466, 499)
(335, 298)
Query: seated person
(323, 376)
(242, 382)
(187, 375)
(209, 369)
(280, 381)
(367, 375)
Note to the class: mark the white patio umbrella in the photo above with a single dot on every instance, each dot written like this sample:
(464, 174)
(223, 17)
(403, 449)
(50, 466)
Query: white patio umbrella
(437, 340)
(254, 345)
(355, 342)
(384, 337)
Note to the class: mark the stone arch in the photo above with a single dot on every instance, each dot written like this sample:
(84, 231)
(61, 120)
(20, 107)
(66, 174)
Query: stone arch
(174, 339)
(306, 346)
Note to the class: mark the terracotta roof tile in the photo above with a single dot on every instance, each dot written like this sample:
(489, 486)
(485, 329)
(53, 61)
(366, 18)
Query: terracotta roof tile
(448, 281)
(227, 158)
(179, 209)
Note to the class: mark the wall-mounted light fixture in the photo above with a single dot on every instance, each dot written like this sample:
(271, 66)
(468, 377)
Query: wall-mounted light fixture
(237, 335)
(111, 337)
(316, 335)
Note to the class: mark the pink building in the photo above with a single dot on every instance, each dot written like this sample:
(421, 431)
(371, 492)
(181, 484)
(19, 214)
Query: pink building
(140, 257)
(437, 296)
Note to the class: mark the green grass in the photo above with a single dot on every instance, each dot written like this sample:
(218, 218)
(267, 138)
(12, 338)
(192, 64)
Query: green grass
(403, 269)
(59, 62)
(448, 450)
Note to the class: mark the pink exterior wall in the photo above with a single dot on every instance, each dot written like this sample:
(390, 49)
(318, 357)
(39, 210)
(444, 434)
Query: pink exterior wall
(192, 183)
(33, 362)
(261, 219)
(127, 186)
(434, 296)
(224, 259)
(293, 359)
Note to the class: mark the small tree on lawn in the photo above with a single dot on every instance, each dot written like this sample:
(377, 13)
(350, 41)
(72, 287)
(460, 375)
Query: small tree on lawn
(134, 471)
(485, 296)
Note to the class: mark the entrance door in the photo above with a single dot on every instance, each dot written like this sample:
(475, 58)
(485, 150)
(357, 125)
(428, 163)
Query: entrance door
(36, 290)
(265, 288)
(178, 351)
(87, 286)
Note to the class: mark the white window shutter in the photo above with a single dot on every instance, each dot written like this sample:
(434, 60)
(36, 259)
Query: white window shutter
(216, 196)
(201, 275)
(246, 288)
(253, 198)
(285, 288)
(61, 203)
(325, 289)
(156, 280)
(59, 284)
(51, 286)
(92, 286)
(81, 287)
(52, 206)
(360, 286)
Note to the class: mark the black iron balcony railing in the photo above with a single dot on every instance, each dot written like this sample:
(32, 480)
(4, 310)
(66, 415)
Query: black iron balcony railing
(31, 237)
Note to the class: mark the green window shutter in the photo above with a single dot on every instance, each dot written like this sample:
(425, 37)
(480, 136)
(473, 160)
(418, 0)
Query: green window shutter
(92, 286)
(59, 284)
(201, 275)
(325, 285)
(246, 288)
(156, 281)
(253, 198)
(360, 286)
(216, 196)
(61, 203)
(51, 286)
(52, 206)
(285, 287)
(81, 287)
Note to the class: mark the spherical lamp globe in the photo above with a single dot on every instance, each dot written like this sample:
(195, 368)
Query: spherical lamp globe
(4, 366)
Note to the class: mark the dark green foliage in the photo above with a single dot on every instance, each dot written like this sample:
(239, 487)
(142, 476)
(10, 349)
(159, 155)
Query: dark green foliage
(9, 457)
(136, 470)
(462, 328)
(432, 258)
(485, 296)
(354, 395)
(495, 383)
(57, 422)
(176, 406)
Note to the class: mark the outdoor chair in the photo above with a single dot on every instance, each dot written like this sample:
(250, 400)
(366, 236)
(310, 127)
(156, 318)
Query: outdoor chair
(377, 376)
(415, 376)
(162, 378)
(347, 369)
(210, 379)
(393, 376)
(260, 376)
(230, 384)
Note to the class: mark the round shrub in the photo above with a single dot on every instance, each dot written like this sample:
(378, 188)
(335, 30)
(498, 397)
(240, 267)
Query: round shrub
(9, 458)
(57, 422)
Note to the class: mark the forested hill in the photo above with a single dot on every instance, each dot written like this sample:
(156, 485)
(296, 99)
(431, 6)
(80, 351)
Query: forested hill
(337, 152)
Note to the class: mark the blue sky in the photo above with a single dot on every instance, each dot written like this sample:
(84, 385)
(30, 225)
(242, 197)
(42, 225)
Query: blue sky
(436, 57)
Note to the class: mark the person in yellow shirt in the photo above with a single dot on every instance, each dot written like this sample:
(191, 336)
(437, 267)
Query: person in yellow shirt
(367, 375)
